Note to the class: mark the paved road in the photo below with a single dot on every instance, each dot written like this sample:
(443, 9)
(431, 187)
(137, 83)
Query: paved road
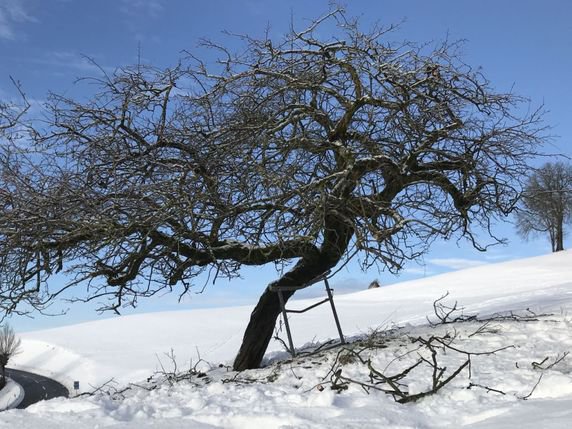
(36, 387)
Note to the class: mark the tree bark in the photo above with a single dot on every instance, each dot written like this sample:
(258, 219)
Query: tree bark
(559, 235)
(260, 328)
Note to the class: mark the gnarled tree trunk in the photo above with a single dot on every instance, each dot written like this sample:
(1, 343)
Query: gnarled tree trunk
(260, 328)
(263, 318)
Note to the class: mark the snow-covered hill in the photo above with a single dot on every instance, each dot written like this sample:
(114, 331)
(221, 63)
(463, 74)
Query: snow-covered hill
(130, 349)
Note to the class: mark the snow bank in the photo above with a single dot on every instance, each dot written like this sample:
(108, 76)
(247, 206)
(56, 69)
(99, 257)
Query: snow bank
(133, 347)
(11, 395)
(129, 349)
(287, 394)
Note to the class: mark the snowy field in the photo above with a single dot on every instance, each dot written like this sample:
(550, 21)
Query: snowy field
(509, 355)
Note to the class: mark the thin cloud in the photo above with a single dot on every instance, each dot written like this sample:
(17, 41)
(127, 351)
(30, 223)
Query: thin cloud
(417, 271)
(499, 257)
(150, 8)
(12, 12)
(66, 62)
(456, 263)
(73, 60)
(136, 16)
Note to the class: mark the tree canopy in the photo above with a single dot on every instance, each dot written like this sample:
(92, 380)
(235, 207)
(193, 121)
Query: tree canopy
(311, 151)
(547, 203)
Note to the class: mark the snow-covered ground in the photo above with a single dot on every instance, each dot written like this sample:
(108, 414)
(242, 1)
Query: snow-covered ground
(11, 395)
(528, 383)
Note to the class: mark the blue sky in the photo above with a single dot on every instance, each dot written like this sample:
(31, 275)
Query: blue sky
(524, 45)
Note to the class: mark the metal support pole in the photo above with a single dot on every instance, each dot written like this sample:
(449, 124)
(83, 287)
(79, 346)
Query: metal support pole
(286, 324)
(331, 298)
(285, 311)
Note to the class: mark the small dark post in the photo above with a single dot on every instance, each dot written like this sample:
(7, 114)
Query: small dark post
(286, 323)
(331, 298)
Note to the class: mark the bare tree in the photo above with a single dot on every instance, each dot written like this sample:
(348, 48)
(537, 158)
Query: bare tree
(305, 153)
(547, 203)
(12, 112)
(9, 346)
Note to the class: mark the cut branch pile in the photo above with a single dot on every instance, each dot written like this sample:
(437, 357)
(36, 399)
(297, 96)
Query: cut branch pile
(408, 365)
(429, 354)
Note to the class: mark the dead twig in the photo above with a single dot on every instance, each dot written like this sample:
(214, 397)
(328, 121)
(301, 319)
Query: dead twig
(488, 389)
(524, 398)
(557, 360)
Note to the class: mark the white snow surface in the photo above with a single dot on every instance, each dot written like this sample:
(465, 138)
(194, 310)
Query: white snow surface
(11, 395)
(512, 390)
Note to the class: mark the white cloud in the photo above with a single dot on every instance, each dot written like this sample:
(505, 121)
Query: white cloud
(456, 263)
(498, 257)
(417, 271)
(142, 7)
(62, 63)
(72, 60)
(12, 12)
